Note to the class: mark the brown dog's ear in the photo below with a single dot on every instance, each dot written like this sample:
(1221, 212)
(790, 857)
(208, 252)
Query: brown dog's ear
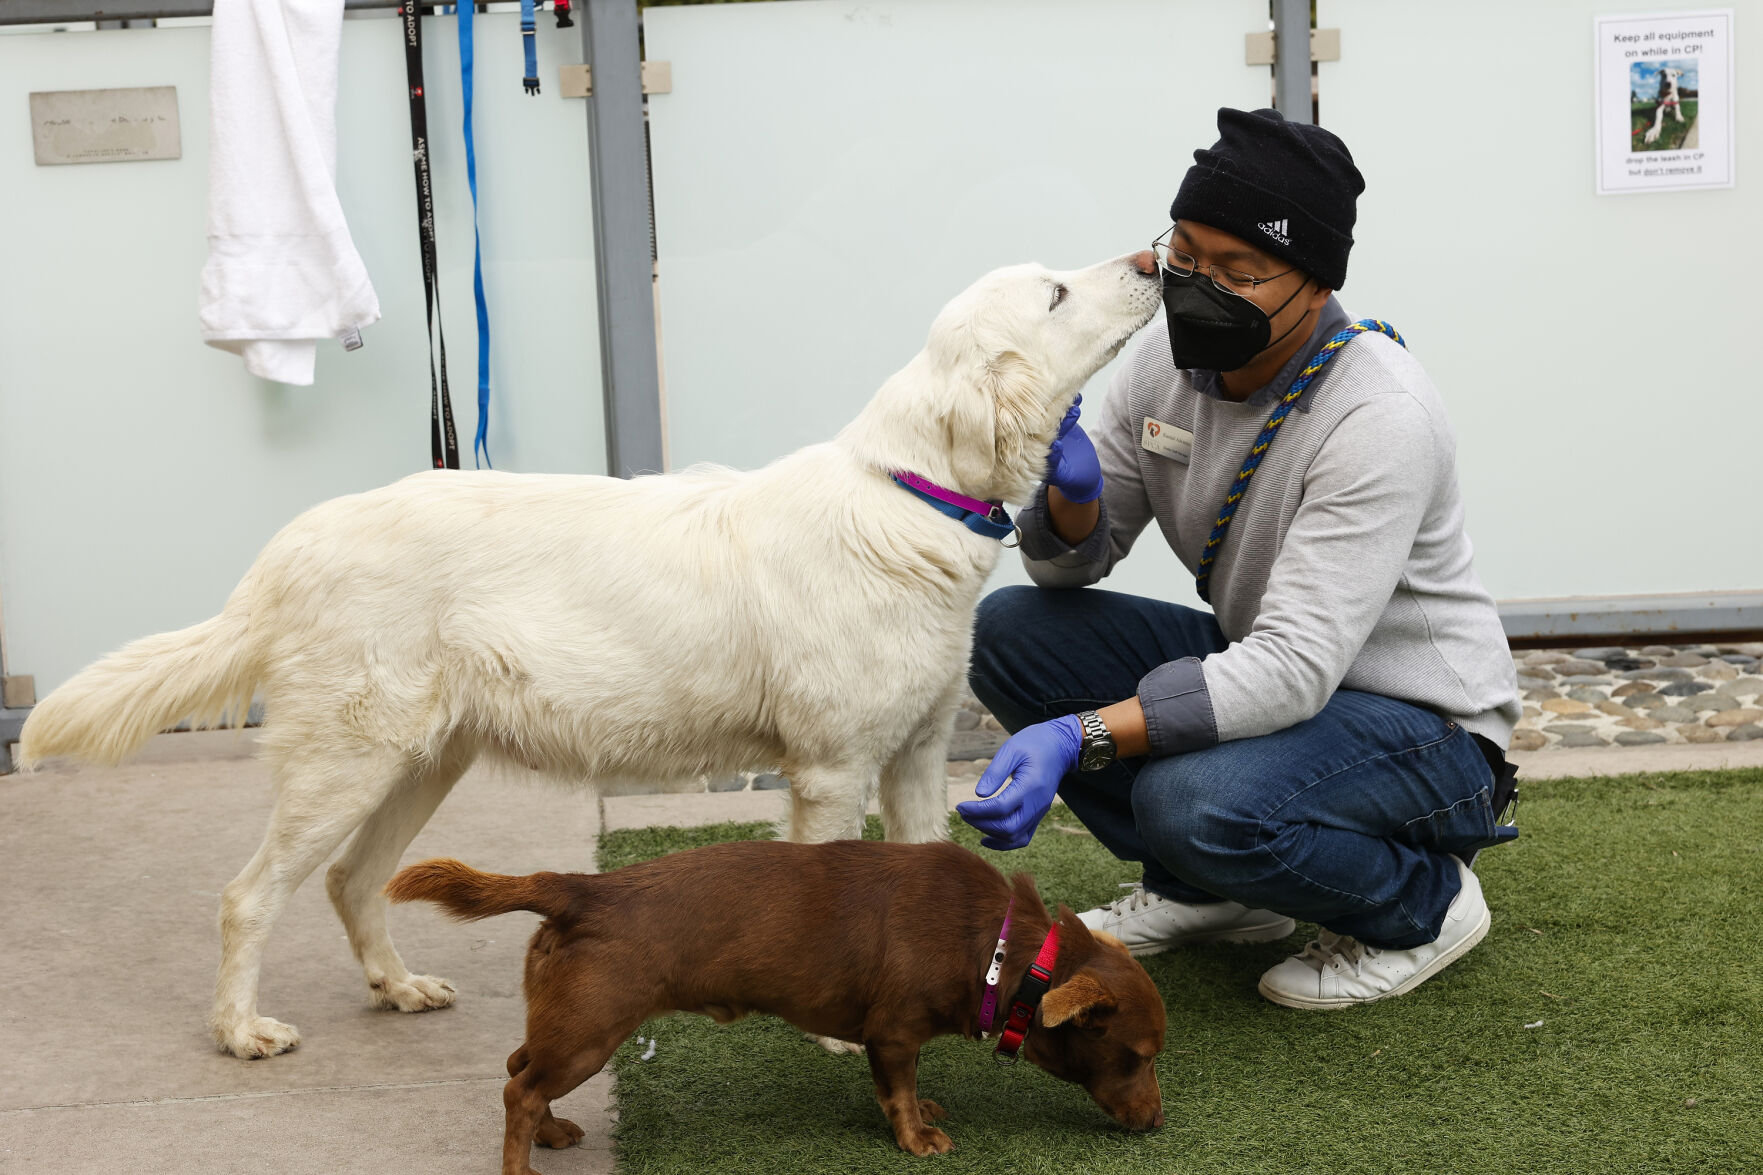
(1077, 996)
(1074, 1000)
(1106, 939)
(1074, 936)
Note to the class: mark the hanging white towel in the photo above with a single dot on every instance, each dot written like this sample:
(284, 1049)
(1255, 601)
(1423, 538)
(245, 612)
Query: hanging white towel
(282, 272)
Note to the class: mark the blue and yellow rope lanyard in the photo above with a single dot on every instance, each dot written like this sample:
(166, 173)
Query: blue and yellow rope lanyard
(1215, 542)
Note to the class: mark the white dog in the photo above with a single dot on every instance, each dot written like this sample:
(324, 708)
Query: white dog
(812, 616)
(1668, 100)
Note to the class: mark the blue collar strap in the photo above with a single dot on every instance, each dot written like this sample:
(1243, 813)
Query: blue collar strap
(994, 524)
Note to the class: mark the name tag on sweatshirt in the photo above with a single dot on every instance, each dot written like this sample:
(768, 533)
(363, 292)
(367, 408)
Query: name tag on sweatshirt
(1166, 440)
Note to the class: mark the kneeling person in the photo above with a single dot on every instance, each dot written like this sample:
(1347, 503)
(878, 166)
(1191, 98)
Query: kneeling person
(1328, 744)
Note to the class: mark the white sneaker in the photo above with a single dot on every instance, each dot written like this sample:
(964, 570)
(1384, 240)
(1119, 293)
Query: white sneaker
(1337, 971)
(1149, 924)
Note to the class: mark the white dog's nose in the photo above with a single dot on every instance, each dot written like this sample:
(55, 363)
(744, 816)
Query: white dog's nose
(1144, 262)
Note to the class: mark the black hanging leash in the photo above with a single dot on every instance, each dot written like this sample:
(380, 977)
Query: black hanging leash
(443, 443)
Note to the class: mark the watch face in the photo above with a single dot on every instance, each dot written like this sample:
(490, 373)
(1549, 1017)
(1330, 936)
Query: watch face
(1095, 758)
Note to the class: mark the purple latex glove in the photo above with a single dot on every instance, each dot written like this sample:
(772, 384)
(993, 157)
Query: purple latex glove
(1072, 467)
(1035, 759)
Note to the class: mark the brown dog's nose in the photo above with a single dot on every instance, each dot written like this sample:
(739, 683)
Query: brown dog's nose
(1157, 1121)
(1144, 262)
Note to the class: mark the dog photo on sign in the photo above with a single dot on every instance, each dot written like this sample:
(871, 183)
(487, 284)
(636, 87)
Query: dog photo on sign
(1662, 104)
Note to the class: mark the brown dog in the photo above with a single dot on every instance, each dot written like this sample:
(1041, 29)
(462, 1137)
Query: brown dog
(881, 944)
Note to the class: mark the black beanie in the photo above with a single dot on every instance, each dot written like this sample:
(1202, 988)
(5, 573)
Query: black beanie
(1285, 187)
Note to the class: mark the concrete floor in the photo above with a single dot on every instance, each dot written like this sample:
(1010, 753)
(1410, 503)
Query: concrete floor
(110, 880)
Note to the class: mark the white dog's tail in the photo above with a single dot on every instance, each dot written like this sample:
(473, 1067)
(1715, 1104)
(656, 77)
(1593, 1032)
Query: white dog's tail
(108, 710)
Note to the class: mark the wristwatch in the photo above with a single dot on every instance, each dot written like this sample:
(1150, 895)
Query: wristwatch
(1098, 748)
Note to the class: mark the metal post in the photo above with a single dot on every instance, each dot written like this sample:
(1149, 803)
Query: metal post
(629, 369)
(1291, 59)
(11, 720)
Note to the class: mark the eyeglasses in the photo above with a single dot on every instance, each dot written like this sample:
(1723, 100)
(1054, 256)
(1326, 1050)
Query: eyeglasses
(1231, 281)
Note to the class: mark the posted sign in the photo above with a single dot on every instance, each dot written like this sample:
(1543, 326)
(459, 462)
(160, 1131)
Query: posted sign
(1664, 98)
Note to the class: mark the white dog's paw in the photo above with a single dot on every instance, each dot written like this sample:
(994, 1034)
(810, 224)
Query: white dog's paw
(412, 993)
(256, 1037)
(1652, 136)
(833, 1044)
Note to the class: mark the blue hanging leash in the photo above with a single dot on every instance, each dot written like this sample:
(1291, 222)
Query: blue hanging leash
(1203, 573)
(480, 445)
(527, 29)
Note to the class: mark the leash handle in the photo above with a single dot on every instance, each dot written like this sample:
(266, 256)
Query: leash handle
(480, 445)
(443, 440)
(1257, 451)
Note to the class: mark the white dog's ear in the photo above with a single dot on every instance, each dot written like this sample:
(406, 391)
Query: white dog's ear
(988, 422)
(971, 423)
(1013, 385)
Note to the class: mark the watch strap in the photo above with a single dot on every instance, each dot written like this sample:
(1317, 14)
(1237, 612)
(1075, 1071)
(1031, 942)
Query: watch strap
(1095, 735)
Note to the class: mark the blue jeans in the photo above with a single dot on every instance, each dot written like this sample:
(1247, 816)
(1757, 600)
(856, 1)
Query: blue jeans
(1344, 819)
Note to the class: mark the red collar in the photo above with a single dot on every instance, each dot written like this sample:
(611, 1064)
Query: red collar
(1035, 983)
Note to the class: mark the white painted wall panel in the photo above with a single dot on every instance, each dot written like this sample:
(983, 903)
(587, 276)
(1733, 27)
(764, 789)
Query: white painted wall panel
(141, 471)
(828, 174)
(1598, 353)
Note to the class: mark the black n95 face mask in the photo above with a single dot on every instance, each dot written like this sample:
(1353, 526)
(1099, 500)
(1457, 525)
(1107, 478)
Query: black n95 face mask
(1212, 330)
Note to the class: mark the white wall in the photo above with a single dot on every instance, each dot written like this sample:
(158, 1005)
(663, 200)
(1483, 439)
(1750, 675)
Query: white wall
(1598, 353)
(140, 471)
(827, 175)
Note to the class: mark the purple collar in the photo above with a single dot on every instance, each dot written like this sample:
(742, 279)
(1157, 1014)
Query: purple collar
(988, 1006)
(984, 518)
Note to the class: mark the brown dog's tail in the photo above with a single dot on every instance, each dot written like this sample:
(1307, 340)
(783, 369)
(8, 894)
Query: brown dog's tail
(468, 895)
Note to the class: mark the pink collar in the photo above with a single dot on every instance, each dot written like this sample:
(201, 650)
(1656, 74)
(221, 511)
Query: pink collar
(945, 495)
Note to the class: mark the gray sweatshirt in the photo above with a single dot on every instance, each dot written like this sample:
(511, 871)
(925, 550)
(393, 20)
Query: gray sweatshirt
(1346, 566)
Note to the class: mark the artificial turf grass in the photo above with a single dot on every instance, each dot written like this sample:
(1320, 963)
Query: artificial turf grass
(1622, 920)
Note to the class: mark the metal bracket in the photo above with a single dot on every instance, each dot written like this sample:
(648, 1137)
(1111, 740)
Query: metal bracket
(1325, 45)
(1676, 618)
(11, 722)
(124, 13)
(577, 81)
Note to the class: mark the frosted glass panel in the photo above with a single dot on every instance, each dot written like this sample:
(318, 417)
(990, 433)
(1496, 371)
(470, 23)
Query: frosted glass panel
(1597, 352)
(827, 175)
